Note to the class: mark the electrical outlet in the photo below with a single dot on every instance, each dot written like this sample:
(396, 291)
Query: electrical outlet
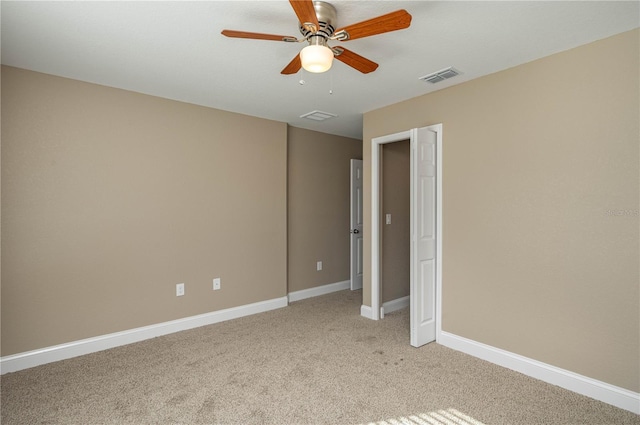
(179, 289)
(319, 265)
(388, 218)
(216, 283)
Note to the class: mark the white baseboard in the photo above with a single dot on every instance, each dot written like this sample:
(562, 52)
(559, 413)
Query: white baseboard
(580, 384)
(393, 305)
(388, 307)
(366, 311)
(55, 353)
(319, 290)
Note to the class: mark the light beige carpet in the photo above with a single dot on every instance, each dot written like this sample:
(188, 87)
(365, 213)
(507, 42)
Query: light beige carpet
(315, 362)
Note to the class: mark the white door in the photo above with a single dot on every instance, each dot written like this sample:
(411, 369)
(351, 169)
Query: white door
(356, 224)
(423, 237)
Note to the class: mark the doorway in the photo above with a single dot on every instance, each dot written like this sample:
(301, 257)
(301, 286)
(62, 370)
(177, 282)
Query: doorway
(426, 230)
(395, 229)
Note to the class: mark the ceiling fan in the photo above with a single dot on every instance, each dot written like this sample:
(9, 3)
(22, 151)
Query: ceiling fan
(317, 20)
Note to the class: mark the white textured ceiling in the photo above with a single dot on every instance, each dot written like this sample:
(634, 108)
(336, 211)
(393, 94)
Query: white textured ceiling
(175, 50)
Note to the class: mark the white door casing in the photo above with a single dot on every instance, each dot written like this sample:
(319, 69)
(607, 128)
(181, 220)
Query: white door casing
(357, 253)
(426, 301)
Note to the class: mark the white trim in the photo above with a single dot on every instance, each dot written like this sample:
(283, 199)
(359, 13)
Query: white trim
(375, 216)
(319, 290)
(376, 143)
(55, 353)
(366, 311)
(580, 384)
(439, 227)
(393, 305)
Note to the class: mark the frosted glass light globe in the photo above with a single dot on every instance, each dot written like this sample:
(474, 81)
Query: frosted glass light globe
(316, 58)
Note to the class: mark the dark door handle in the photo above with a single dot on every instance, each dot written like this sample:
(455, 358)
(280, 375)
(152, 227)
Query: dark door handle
(355, 231)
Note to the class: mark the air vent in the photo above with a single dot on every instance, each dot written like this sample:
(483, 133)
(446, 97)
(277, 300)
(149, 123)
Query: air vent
(318, 115)
(441, 75)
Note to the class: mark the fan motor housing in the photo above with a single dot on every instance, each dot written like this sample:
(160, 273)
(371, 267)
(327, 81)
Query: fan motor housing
(327, 15)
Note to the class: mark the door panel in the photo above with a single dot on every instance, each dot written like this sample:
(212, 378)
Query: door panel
(359, 262)
(426, 310)
(423, 235)
(356, 225)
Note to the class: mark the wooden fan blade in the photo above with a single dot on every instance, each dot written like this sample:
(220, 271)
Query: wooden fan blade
(293, 67)
(257, 36)
(356, 61)
(306, 14)
(400, 19)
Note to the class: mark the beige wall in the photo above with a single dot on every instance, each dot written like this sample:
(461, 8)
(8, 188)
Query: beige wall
(110, 198)
(318, 207)
(395, 240)
(535, 159)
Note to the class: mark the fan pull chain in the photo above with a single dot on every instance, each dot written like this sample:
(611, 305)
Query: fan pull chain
(302, 77)
(331, 83)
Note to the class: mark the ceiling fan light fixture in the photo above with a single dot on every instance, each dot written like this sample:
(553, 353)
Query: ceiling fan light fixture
(316, 20)
(316, 58)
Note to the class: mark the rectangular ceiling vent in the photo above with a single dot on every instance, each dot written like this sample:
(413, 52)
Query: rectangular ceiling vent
(318, 115)
(441, 75)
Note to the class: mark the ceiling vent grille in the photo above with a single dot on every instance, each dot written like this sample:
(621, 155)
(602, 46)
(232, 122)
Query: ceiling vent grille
(318, 115)
(441, 75)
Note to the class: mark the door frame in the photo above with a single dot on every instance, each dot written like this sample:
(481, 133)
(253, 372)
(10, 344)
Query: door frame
(376, 146)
